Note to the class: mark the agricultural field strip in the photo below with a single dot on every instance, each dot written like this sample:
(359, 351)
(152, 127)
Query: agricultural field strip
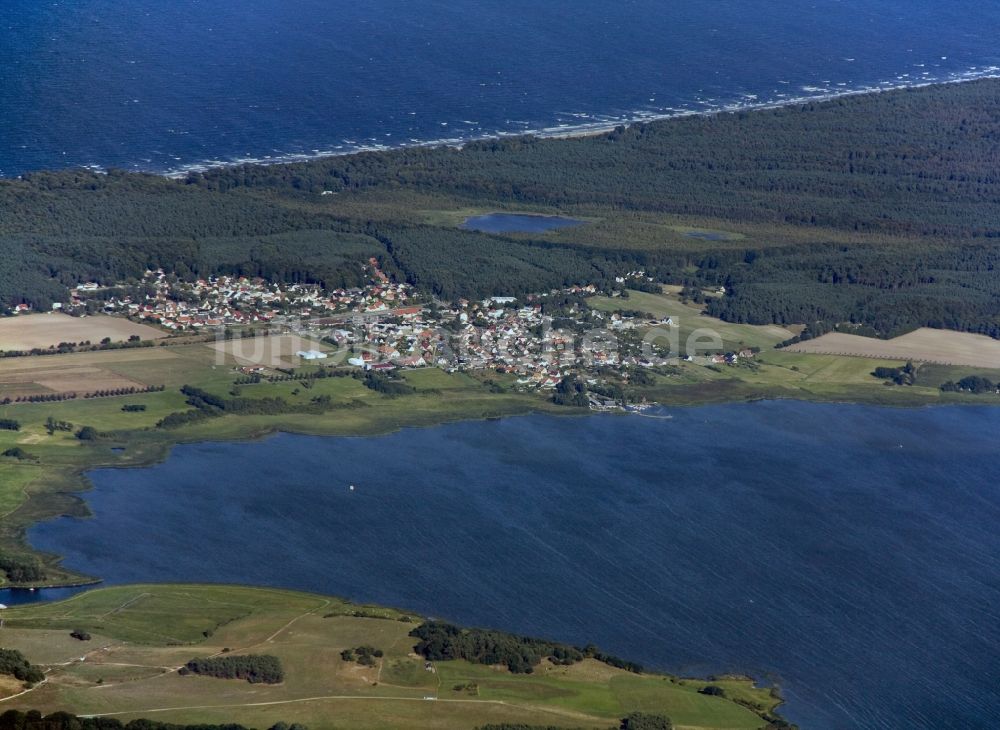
(31, 331)
(100, 359)
(84, 372)
(942, 347)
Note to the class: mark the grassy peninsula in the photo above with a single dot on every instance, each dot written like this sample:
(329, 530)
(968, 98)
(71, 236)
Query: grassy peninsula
(138, 639)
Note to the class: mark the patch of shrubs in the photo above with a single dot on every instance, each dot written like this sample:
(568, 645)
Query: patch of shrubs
(12, 662)
(645, 721)
(16, 452)
(21, 570)
(571, 391)
(440, 641)
(972, 384)
(254, 668)
(905, 375)
(635, 721)
(209, 405)
(183, 418)
(363, 655)
(34, 720)
(88, 433)
(52, 425)
(385, 383)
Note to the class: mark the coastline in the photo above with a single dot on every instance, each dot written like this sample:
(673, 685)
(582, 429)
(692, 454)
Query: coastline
(568, 131)
(144, 449)
(105, 612)
(754, 555)
(719, 416)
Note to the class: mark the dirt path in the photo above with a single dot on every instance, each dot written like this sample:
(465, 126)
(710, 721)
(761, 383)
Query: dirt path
(24, 692)
(326, 698)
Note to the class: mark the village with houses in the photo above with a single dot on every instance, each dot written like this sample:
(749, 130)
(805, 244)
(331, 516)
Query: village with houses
(383, 326)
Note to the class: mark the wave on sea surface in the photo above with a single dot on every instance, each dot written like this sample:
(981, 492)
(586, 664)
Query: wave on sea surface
(578, 124)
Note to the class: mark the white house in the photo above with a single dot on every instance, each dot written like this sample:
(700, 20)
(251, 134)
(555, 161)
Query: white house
(311, 355)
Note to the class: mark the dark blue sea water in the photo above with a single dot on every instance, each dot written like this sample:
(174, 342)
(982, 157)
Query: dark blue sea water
(849, 553)
(514, 223)
(165, 84)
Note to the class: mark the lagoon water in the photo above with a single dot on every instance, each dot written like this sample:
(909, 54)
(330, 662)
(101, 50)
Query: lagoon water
(24, 596)
(514, 223)
(158, 85)
(848, 553)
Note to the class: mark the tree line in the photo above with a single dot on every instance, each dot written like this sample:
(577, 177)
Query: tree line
(971, 384)
(208, 405)
(366, 656)
(35, 720)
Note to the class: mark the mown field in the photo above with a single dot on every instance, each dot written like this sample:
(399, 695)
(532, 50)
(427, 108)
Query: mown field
(88, 372)
(923, 345)
(141, 636)
(26, 332)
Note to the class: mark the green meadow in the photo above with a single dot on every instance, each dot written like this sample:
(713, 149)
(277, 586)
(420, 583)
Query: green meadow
(142, 634)
(690, 318)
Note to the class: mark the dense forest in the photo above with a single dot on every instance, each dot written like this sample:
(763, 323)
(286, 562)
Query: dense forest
(881, 210)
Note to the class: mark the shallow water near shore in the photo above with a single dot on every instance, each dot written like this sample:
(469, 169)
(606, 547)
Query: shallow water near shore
(848, 553)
